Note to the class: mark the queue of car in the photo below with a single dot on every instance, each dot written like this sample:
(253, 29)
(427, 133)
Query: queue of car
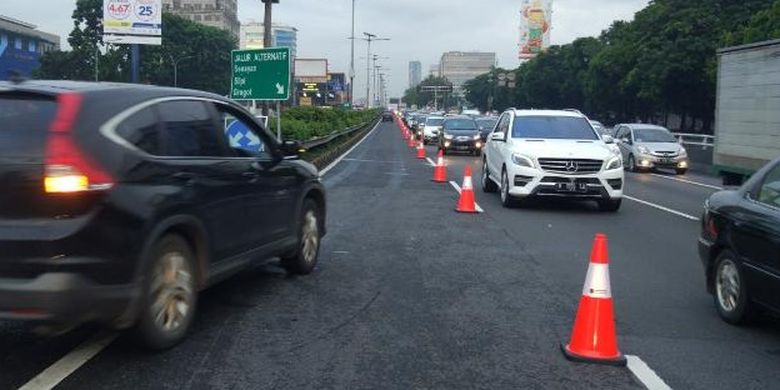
(542, 153)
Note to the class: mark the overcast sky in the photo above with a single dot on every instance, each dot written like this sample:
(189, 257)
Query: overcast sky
(418, 29)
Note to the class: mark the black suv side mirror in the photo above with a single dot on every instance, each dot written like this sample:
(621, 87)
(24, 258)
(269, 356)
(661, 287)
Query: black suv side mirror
(292, 148)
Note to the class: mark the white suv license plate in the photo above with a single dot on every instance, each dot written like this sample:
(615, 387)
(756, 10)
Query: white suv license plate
(571, 187)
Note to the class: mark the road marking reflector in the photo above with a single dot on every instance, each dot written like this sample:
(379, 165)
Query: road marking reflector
(645, 374)
(696, 183)
(68, 364)
(662, 208)
(457, 188)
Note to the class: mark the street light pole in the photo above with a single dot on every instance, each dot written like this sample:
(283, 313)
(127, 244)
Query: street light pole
(176, 68)
(352, 60)
(370, 38)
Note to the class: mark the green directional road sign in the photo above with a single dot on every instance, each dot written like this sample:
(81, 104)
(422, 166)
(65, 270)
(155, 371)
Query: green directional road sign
(261, 74)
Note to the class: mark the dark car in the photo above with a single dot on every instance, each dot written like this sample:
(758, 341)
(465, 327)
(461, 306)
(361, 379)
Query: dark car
(740, 246)
(387, 116)
(120, 202)
(460, 133)
(486, 126)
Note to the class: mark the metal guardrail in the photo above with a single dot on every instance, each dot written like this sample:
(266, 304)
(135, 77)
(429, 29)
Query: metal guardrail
(703, 140)
(320, 141)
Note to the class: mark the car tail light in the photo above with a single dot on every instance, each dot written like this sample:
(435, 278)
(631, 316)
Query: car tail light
(710, 227)
(68, 169)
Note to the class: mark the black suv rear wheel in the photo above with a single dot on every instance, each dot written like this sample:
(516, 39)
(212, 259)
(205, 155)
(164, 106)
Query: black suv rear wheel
(169, 294)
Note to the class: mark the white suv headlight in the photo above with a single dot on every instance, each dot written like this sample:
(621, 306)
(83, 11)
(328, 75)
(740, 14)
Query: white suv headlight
(615, 163)
(522, 161)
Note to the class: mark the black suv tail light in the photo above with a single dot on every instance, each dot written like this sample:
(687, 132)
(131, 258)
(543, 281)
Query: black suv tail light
(68, 169)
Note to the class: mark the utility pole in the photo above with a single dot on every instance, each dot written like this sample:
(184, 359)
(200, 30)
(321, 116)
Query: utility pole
(352, 60)
(268, 37)
(370, 38)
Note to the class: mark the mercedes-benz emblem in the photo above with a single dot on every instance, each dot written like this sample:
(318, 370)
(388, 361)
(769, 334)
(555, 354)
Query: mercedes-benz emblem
(571, 166)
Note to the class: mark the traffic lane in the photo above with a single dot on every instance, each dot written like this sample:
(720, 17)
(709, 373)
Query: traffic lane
(404, 297)
(663, 312)
(683, 197)
(24, 354)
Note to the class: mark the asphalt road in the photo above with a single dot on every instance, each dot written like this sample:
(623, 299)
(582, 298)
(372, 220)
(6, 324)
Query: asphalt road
(409, 294)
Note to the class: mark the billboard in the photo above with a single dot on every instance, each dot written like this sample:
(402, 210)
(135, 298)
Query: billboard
(313, 70)
(535, 21)
(132, 21)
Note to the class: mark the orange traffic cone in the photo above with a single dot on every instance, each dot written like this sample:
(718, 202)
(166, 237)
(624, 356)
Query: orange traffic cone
(440, 170)
(421, 151)
(466, 203)
(593, 339)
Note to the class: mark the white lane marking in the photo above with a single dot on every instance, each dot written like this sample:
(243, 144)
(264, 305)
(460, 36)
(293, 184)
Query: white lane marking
(430, 161)
(696, 183)
(68, 364)
(338, 160)
(372, 161)
(457, 188)
(645, 374)
(662, 208)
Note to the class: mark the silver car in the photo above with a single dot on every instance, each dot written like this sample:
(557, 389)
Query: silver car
(646, 147)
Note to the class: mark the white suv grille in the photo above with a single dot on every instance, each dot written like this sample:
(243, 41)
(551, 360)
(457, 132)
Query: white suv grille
(571, 166)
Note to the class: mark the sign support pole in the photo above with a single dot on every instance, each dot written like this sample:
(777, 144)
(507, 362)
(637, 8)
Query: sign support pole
(278, 121)
(135, 63)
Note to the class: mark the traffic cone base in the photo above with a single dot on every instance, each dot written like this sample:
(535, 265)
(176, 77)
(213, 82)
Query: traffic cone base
(594, 338)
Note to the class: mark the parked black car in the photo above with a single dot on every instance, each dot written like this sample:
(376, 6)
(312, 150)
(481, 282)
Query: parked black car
(460, 133)
(740, 246)
(120, 202)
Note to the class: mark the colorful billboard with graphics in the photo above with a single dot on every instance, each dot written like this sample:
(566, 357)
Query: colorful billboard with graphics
(535, 21)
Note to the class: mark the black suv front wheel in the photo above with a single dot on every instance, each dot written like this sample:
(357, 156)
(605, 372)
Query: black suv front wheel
(305, 257)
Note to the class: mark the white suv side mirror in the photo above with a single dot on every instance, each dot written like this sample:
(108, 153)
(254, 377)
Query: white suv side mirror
(497, 136)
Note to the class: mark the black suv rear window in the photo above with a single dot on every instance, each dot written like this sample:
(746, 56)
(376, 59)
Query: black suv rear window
(142, 130)
(24, 124)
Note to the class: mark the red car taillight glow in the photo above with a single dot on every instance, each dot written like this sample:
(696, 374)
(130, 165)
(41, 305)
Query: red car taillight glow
(68, 169)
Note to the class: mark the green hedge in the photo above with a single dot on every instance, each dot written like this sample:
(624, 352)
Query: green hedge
(305, 123)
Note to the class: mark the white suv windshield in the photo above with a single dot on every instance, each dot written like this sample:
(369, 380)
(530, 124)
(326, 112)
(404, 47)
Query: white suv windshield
(553, 127)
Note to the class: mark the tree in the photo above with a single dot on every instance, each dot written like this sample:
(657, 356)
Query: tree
(764, 26)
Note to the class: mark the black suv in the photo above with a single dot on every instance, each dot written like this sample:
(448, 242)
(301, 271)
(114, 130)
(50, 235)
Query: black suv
(119, 202)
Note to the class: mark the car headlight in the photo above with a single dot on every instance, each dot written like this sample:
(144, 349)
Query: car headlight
(643, 149)
(522, 161)
(615, 163)
(448, 136)
(477, 137)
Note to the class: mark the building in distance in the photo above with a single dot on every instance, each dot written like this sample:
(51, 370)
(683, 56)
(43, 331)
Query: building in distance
(222, 14)
(21, 47)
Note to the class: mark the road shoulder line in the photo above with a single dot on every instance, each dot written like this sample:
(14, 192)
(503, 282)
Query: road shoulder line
(662, 208)
(691, 182)
(68, 364)
(332, 165)
(645, 374)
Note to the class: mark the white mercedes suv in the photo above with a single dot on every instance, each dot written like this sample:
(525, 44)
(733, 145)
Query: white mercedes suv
(545, 153)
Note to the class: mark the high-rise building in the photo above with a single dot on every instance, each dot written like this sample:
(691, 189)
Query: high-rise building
(415, 73)
(459, 67)
(21, 47)
(252, 34)
(434, 70)
(222, 14)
